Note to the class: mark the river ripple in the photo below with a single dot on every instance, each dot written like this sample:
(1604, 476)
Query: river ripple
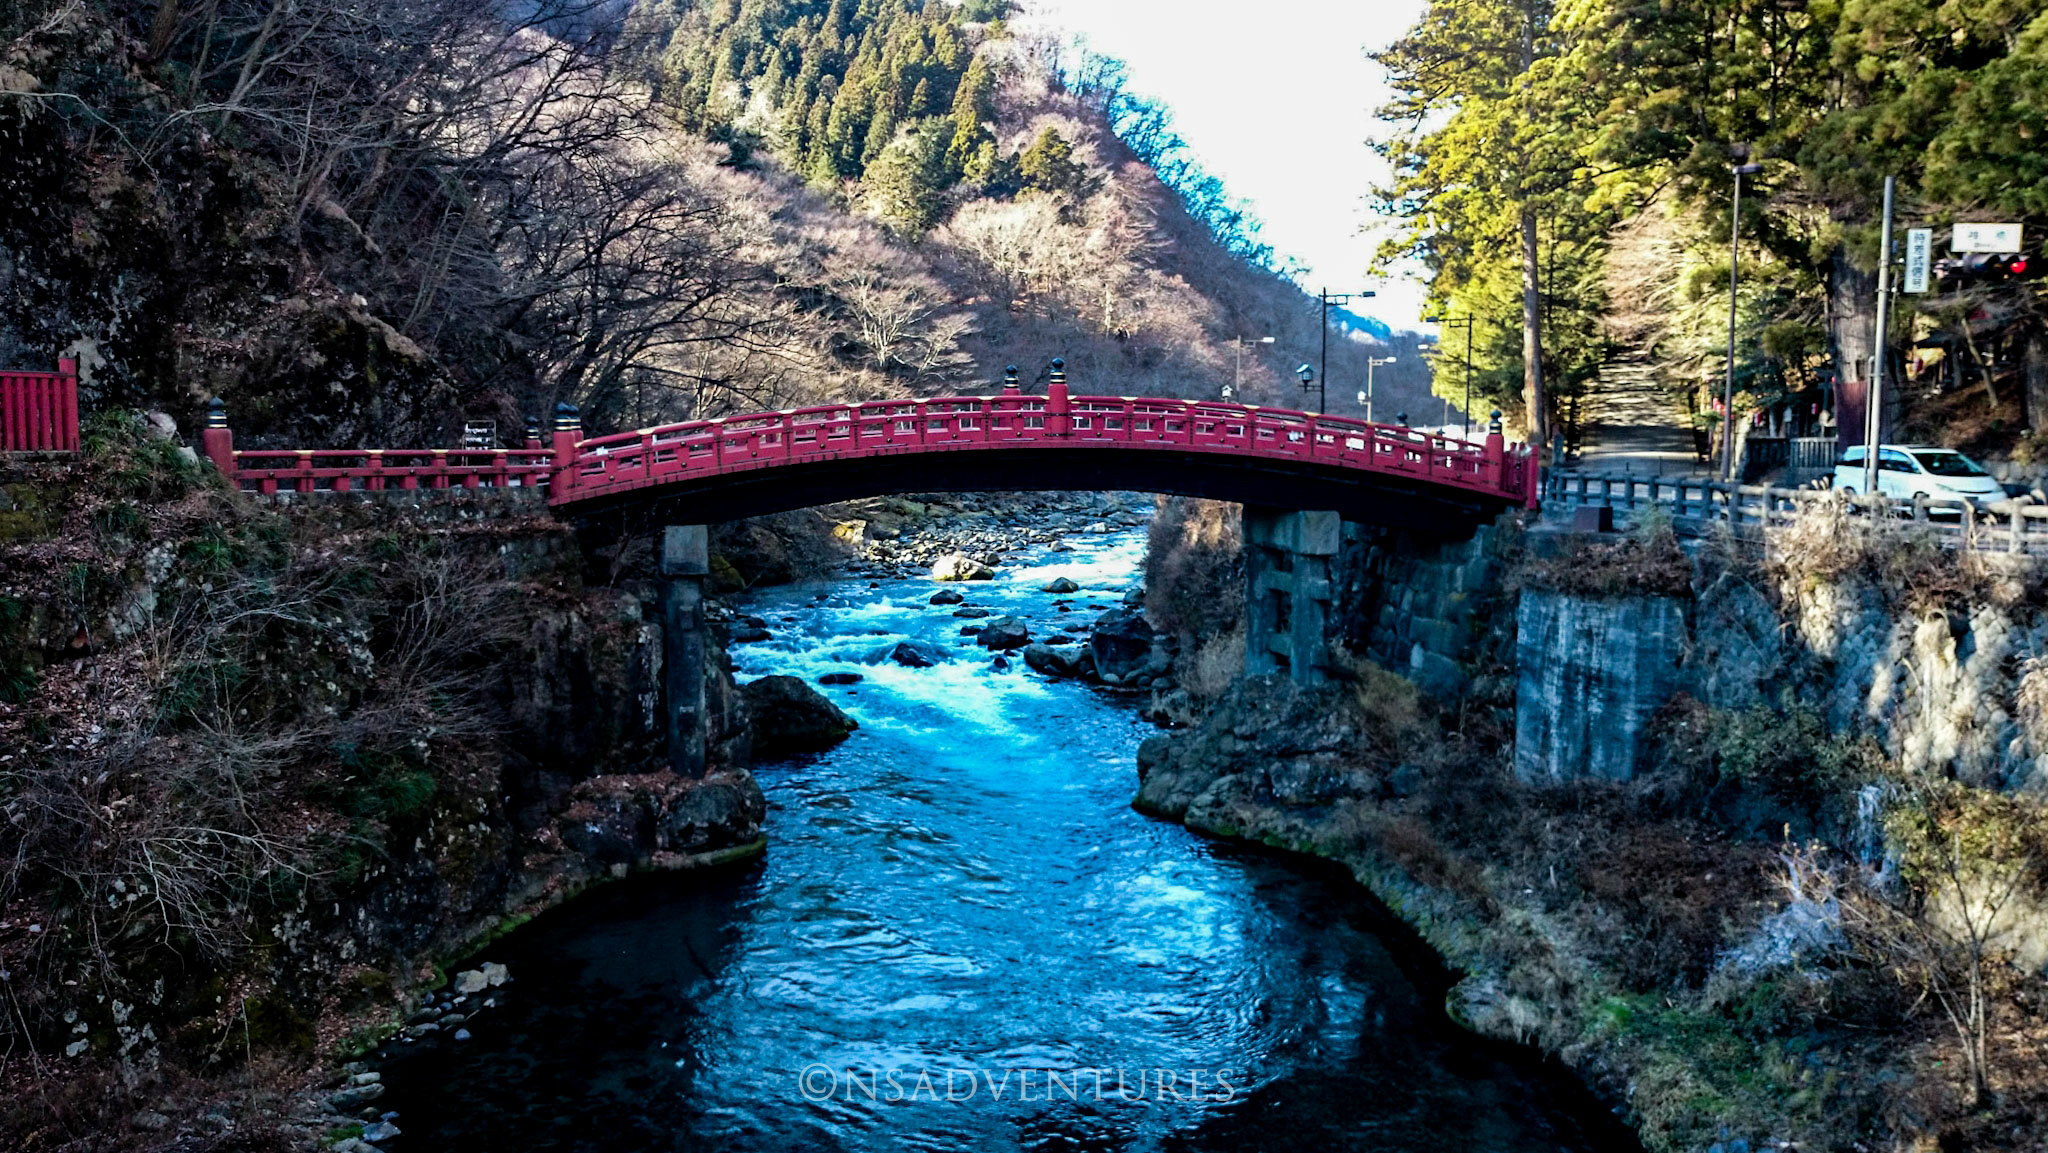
(959, 901)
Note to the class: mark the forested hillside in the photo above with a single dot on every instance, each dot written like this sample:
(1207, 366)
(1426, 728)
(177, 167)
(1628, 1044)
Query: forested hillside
(1566, 170)
(363, 223)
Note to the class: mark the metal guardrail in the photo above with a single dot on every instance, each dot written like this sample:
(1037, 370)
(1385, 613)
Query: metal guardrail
(2010, 526)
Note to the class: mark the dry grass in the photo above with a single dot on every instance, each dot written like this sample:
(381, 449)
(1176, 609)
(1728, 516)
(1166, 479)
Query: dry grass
(1647, 562)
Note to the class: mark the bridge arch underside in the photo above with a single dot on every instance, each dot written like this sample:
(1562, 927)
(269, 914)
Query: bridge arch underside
(1365, 497)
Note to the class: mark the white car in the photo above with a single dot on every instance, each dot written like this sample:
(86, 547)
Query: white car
(1905, 471)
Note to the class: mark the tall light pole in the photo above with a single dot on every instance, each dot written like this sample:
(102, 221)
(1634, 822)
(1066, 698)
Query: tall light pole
(1372, 362)
(1873, 410)
(1237, 378)
(1466, 424)
(1734, 267)
(1328, 298)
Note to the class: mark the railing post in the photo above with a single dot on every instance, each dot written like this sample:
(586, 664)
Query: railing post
(568, 430)
(533, 438)
(1058, 420)
(67, 404)
(1496, 452)
(218, 441)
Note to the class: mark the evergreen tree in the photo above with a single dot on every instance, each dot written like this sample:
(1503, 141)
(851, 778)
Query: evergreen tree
(1049, 165)
(973, 109)
(909, 180)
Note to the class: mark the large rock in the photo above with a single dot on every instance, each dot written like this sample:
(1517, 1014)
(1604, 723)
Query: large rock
(718, 812)
(614, 829)
(1057, 662)
(1004, 633)
(792, 717)
(1122, 643)
(956, 566)
(947, 597)
(909, 654)
(1060, 585)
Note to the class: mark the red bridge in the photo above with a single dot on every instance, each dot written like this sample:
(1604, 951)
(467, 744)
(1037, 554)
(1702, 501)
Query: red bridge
(717, 470)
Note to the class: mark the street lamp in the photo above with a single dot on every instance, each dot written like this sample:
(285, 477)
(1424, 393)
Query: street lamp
(1734, 265)
(1467, 322)
(1237, 378)
(1307, 374)
(1371, 362)
(1328, 298)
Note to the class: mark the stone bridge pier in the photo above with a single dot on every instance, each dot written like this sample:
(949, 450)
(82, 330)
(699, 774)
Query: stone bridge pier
(685, 563)
(1289, 559)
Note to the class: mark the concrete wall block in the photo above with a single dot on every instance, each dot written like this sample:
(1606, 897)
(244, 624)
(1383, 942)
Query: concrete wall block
(1591, 673)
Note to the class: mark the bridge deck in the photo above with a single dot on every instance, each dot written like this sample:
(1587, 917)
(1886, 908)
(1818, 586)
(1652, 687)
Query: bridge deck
(762, 462)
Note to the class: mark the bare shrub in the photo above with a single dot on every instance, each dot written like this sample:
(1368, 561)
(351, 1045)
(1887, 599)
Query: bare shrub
(1647, 562)
(1194, 569)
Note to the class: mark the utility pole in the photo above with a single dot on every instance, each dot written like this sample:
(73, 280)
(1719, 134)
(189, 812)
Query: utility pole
(1734, 271)
(1873, 416)
(1452, 323)
(1237, 377)
(1323, 363)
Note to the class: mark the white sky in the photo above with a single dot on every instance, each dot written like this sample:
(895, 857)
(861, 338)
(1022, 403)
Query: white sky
(1276, 97)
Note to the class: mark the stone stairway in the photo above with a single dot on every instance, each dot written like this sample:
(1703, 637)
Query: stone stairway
(1631, 424)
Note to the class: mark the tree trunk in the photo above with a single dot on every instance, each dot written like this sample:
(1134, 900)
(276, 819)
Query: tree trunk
(1852, 320)
(1532, 273)
(2035, 362)
(1532, 332)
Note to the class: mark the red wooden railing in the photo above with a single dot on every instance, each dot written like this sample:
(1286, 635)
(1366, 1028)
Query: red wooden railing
(608, 465)
(39, 410)
(576, 469)
(381, 469)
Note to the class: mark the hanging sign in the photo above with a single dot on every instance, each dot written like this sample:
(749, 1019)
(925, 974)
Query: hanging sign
(1985, 238)
(1919, 256)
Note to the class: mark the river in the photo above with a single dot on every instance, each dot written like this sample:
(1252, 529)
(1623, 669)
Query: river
(963, 938)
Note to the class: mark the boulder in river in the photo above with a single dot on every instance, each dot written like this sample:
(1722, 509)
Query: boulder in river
(1122, 644)
(840, 679)
(971, 614)
(790, 716)
(955, 566)
(947, 597)
(1060, 585)
(722, 810)
(909, 654)
(1004, 633)
(1053, 662)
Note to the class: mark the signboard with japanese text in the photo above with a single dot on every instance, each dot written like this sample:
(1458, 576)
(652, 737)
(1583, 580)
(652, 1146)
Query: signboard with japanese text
(1985, 238)
(1919, 258)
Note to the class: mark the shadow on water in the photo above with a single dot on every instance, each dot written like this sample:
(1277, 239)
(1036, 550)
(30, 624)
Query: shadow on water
(959, 895)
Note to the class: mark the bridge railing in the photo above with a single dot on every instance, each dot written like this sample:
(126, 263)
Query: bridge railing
(379, 470)
(2012, 526)
(574, 468)
(674, 452)
(309, 470)
(39, 410)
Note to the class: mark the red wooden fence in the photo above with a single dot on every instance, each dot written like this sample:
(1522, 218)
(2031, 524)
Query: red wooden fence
(39, 410)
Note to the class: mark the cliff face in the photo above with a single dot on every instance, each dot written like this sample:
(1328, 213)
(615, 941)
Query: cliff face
(1670, 812)
(264, 767)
